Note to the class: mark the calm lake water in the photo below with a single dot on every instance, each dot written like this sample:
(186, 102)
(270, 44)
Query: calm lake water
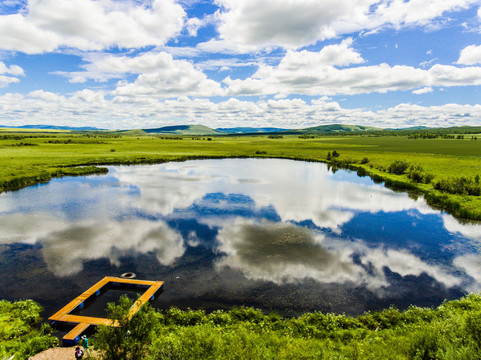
(274, 234)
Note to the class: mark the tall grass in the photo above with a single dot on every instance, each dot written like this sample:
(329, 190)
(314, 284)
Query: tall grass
(452, 331)
(20, 333)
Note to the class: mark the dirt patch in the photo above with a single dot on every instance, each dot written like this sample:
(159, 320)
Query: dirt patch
(60, 353)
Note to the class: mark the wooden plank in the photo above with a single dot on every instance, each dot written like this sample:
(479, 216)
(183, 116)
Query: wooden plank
(79, 299)
(131, 281)
(145, 297)
(86, 319)
(76, 331)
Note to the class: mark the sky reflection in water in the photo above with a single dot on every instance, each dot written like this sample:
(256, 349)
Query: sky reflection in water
(276, 234)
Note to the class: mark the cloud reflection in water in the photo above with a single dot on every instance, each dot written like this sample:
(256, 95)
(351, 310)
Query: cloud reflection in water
(66, 246)
(256, 208)
(285, 253)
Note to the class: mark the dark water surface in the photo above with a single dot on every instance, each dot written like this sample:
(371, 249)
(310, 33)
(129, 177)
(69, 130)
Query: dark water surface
(275, 234)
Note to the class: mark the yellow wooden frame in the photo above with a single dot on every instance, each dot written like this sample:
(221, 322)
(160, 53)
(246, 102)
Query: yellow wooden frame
(83, 322)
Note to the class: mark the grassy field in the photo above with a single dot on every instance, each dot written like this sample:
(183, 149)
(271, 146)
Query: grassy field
(451, 331)
(27, 158)
(20, 332)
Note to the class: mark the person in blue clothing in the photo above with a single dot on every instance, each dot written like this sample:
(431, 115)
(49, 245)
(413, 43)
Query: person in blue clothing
(85, 344)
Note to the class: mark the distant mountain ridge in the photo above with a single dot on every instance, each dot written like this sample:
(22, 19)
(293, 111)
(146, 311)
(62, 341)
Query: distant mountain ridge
(201, 130)
(204, 130)
(333, 129)
(183, 130)
(249, 130)
(53, 127)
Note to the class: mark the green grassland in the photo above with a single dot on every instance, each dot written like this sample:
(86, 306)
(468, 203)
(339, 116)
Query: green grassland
(20, 334)
(451, 331)
(27, 158)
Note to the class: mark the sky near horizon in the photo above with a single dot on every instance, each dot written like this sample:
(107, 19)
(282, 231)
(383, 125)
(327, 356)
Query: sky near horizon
(126, 64)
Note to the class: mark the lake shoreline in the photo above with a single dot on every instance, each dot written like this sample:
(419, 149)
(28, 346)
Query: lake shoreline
(437, 199)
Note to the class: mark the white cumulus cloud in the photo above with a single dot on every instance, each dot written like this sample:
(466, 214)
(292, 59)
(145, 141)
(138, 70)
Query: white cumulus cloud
(320, 73)
(294, 24)
(8, 74)
(424, 90)
(127, 112)
(162, 76)
(470, 55)
(45, 25)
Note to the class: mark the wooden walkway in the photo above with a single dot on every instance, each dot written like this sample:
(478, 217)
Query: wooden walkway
(83, 322)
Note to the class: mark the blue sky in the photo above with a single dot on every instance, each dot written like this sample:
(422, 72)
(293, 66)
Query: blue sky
(122, 64)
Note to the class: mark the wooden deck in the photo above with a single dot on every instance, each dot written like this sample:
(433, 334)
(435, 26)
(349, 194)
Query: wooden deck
(83, 322)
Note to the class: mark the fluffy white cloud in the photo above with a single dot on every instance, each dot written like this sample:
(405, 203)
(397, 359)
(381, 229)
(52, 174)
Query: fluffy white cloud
(45, 25)
(14, 70)
(424, 90)
(334, 55)
(470, 55)
(124, 112)
(294, 24)
(318, 73)
(161, 76)
(7, 80)
(11, 70)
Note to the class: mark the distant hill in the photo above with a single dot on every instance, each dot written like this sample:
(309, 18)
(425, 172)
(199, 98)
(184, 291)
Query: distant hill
(53, 127)
(201, 130)
(184, 130)
(249, 130)
(333, 129)
(410, 128)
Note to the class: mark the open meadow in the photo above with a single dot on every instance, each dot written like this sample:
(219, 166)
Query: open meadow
(446, 170)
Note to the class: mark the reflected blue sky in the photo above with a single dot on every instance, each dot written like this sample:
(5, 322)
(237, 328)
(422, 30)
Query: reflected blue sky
(242, 231)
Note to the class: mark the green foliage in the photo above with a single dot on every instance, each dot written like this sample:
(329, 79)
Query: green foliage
(128, 341)
(418, 175)
(425, 345)
(23, 144)
(19, 335)
(450, 332)
(459, 185)
(398, 167)
(361, 171)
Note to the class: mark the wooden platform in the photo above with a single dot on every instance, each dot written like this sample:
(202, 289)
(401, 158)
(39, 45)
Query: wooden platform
(83, 322)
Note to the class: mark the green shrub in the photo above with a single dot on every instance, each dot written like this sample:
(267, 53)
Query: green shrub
(425, 345)
(417, 175)
(19, 336)
(459, 185)
(189, 317)
(130, 340)
(398, 167)
(246, 314)
(361, 171)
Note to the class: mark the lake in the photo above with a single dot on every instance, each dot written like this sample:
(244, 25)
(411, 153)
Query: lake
(279, 235)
